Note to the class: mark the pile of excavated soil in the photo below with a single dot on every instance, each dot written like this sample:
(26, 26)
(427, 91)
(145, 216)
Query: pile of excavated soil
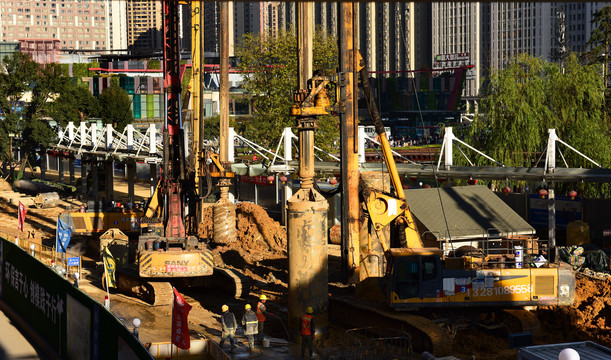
(5, 185)
(589, 318)
(260, 247)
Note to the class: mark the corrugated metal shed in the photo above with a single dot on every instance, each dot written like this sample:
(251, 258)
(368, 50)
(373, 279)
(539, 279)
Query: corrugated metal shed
(587, 350)
(470, 212)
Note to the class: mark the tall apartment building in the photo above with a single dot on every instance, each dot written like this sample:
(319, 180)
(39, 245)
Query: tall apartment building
(247, 19)
(269, 17)
(578, 23)
(212, 24)
(75, 24)
(325, 16)
(287, 14)
(460, 37)
(144, 24)
(117, 25)
(394, 36)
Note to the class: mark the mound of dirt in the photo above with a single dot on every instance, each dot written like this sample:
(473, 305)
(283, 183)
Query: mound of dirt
(5, 185)
(258, 237)
(589, 318)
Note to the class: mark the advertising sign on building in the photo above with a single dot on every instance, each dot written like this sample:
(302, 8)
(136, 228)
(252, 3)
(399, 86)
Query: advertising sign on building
(464, 56)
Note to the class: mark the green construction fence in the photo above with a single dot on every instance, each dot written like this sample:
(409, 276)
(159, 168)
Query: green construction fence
(75, 325)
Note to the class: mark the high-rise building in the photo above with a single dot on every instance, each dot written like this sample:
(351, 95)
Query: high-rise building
(392, 38)
(325, 16)
(117, 25)
(269, 17)
(460, 37)
(144, 25)
(246, 18)
(287, 14)
(67, 24)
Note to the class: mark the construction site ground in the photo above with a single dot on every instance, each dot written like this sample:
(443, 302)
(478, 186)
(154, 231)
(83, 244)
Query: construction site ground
(260, 253)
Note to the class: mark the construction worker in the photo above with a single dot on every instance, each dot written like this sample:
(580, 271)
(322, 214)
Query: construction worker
(249, 321)
(229, 326)
(307, 332)
(262, 314)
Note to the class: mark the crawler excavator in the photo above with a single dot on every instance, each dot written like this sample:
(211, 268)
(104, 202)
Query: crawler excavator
(431, 280)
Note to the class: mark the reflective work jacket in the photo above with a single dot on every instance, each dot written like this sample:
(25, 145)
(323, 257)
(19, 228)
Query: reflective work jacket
(249, 320)
(307, 324)
(261, 311)
(228, 322)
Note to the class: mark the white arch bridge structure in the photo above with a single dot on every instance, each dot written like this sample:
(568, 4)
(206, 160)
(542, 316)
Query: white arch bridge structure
(144, 145)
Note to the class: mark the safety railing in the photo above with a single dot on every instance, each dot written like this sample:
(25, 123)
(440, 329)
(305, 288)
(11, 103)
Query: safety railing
(378, 343)
(46, 254)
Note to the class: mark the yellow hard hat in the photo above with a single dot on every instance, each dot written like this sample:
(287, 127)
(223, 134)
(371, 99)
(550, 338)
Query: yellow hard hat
(247, 306)
(225, 308)
(309, 310)
(263, 297)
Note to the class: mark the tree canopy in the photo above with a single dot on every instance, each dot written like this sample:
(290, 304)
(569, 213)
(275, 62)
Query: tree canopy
(115, 107)
(26, 91)
(600, 41)
(531, 96)
(75, 103)
(269, 65)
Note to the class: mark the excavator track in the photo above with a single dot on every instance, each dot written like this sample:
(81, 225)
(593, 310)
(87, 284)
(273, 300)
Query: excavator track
(425, 334)
(153, 292)
(525, 320)
(231, 281)
(158, 293)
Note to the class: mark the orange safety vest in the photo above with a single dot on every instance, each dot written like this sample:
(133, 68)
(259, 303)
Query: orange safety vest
(260, 315)
(306, 324)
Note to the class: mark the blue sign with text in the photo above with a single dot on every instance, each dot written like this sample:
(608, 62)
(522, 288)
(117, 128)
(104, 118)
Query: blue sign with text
(73, 261)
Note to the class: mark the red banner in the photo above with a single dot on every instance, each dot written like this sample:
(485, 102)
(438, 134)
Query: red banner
(180, 326)
(21, 216)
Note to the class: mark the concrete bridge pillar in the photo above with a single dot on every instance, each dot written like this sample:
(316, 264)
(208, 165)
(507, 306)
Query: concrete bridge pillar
(71, 169)
(43, 164)
(131, 177)
(60, 168)
(83, 175)
(94, 178)
(109, 175)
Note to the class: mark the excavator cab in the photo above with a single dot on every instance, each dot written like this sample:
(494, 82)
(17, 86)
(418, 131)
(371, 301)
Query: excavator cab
(415, 276)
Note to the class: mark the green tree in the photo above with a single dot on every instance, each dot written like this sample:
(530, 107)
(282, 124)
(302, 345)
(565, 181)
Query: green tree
(75, 103)
(531, 96)
(115, 108)
(600, 41)
(212, 126)
(269, 65)
(23, 120)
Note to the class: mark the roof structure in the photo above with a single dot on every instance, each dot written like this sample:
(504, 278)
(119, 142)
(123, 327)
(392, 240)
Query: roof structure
(470, 212)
